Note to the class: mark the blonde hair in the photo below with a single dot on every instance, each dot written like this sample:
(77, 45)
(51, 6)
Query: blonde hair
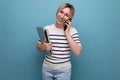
(68, 5)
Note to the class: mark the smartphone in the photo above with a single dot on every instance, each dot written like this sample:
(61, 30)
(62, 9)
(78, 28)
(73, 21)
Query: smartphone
(65, 27)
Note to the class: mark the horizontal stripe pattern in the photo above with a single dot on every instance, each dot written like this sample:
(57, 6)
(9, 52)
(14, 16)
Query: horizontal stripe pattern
(75, 37)
(60, 46)
(60, 49)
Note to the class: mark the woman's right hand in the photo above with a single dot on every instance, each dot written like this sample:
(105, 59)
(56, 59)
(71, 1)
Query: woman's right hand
(48, 46)
(44, 46)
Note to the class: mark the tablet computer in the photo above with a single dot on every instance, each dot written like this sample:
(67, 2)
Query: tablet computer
(41, 33)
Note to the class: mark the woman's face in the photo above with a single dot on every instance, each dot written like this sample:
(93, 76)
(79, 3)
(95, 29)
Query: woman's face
(63, 15)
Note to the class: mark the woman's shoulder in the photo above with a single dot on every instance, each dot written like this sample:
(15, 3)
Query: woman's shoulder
(73, 29)
(49, 26)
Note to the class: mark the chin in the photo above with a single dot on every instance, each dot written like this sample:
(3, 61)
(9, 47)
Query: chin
(60, 23)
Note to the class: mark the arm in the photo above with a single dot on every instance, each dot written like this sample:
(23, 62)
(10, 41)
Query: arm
(76, 48)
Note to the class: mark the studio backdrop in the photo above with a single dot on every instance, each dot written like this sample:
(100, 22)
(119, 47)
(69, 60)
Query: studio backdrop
(98, 25)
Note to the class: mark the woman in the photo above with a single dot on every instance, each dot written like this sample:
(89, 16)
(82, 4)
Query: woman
(57, 65)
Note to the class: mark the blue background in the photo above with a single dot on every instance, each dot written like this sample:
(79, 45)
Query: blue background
(98, 24)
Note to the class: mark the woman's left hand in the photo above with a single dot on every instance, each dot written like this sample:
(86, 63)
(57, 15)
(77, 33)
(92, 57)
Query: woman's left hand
(68, 23)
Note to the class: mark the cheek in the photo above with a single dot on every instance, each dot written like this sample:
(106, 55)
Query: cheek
(58, 15)
(66, 18)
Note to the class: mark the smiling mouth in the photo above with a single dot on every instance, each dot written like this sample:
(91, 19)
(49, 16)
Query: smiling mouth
(61, 20)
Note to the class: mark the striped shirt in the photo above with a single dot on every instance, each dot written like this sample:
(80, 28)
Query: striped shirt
(60, 57)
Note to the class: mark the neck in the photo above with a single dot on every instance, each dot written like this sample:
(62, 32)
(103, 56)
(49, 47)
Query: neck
(58, 25)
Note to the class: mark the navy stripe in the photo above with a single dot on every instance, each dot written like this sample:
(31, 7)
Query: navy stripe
(76, 40)
(61, 46)
(57, 35)
(57, 62)
(75, 34)
(60, 50)
(58, 43)
(57, 57)
(61, 54)
(49, 58)
(57, 39)
(61, 57)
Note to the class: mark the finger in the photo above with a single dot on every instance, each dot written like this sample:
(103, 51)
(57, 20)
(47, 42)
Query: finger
(45, 40)
(50, 46)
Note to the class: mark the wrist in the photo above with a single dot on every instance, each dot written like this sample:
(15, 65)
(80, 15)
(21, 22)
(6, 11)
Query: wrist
(67, 34)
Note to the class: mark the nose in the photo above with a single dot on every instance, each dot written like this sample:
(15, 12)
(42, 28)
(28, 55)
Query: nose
(62, 16)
